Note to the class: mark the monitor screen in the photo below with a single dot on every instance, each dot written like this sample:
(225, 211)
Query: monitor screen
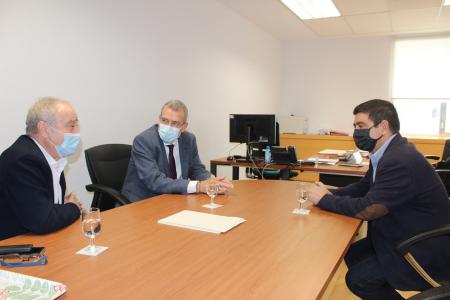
(253, 128)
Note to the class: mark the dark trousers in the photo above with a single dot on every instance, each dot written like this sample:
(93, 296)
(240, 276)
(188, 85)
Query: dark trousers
(364, 277)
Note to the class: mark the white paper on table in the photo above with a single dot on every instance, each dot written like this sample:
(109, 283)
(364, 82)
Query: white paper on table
(88, 251)
(333, 152)
(323, 161)
(202, 221)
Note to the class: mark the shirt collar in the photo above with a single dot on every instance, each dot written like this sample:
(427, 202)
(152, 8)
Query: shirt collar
(60, 163)
(175, 143)
(375, 157)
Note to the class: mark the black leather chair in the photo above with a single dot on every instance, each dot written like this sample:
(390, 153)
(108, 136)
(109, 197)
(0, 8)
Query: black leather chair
(272, 174)
(445, 158)
(444, 174)
(442, 165)
(107, 166)
(439, 293)
(439, 290)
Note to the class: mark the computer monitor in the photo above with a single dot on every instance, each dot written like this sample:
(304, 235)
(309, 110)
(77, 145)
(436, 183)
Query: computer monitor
(253, 129)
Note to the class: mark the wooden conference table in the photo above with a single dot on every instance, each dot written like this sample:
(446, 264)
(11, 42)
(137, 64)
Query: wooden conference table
(273, 255)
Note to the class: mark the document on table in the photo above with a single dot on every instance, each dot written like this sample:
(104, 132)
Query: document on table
(202, 221)
(333, 152)
(349, 164)
(323, 161)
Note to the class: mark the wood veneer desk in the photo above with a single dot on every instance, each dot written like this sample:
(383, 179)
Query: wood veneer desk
(309, 144)
(323, 170)
(273, 255)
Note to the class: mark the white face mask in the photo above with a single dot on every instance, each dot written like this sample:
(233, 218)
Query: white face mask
(167, 133)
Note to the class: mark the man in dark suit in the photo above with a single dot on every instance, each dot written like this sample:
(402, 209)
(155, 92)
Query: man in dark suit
(165, 160)
(400, 196)
(32, 185)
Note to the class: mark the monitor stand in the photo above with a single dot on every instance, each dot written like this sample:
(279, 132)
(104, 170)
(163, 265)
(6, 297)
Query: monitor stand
(254, 158)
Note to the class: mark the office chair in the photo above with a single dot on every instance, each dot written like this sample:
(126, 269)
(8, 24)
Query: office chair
(442, 162)
(439, 293)
(272, 174)
(107, 166)
(444, 174)
(439, 290)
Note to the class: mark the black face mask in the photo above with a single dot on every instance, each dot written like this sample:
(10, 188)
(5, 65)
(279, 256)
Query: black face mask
(363, 140)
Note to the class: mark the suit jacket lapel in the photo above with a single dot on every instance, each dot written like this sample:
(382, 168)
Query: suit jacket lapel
(62, 183)
(35, 149)
(184, 150)
(163, 152)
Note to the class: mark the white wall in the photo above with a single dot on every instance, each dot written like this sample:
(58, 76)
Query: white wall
(324, 79)
(119, 61)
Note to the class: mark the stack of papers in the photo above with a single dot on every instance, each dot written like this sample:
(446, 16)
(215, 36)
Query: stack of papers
(350, 164)
(323, 161)
(202, 221)
(19, 286)
(333, 152)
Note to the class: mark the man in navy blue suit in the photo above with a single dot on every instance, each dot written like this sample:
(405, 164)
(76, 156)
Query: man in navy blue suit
(400, 195)
(165, 159)
(32, 184)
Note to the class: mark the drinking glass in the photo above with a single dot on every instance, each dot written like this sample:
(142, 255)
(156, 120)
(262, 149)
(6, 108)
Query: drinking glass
(212, 189)
(91, 225)
(302, 196)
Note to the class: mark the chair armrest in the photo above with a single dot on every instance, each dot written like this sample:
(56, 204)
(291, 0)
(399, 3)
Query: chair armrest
(404, 246)
(433, 157)
(443, 171)
(116, 195)
(439, 293)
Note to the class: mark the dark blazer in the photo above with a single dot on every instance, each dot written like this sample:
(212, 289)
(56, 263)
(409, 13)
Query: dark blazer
(147, 174)
(416, 200)
(26, 192)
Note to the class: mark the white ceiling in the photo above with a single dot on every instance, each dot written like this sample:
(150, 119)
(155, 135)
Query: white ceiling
(359, 18)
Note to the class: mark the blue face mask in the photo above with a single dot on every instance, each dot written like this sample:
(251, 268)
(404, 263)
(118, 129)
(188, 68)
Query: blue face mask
(70, 144)
(167, 133)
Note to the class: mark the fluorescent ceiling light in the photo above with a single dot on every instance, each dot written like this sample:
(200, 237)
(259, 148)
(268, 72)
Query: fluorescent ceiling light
(447, 2)
(313, 9)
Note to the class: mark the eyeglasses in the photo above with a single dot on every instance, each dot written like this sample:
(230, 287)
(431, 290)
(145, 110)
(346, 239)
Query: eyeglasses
(170, 123)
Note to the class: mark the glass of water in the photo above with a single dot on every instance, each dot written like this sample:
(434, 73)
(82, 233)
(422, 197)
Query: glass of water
(301, 192)
(91, 225)
(212, 189)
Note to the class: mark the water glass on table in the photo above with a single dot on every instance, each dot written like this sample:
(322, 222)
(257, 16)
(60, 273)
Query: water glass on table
(301, 192)
(212, 189)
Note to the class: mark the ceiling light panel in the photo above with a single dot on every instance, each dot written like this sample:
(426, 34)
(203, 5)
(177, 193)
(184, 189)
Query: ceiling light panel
(312, 9)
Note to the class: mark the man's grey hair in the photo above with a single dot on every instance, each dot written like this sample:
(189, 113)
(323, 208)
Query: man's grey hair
(176, 105)
(44, 109)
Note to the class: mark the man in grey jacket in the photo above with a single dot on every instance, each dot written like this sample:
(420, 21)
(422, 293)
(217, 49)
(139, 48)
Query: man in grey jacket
(165, 160)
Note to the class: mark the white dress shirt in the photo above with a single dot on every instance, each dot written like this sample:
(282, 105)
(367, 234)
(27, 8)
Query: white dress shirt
(192, 186)
(57, 167)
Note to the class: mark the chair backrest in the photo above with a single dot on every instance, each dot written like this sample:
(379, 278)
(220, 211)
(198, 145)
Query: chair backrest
(107, 164)
(444, 174)
(446, 152)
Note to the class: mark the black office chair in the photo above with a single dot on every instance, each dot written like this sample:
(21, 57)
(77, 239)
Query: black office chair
(444, 174)
(439, 293)
(443, 161)
(272, 174)
(107, 166)
(439, 290)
